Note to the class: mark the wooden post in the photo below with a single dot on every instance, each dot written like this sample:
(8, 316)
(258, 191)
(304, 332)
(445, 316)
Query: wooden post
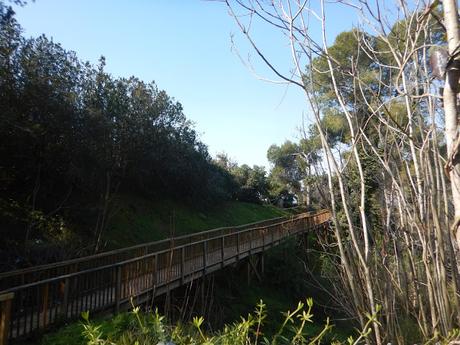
(65, 298)
(237, 246)
(154, 276)
(45, 304)
(155, 270)
(205, 254)
(118, 290)
(5, 316)
(222, 251)
(182, 265)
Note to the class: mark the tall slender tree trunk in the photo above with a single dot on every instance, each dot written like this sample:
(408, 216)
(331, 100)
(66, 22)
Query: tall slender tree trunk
(450, 109)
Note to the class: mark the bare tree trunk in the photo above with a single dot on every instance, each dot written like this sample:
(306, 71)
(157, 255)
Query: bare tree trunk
(402, 261)
(308, 187)
(450, 108)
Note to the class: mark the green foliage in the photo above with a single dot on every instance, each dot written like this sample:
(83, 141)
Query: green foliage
(252, 181)
(410, 331)
(371, 171)
(72, 136)
(250, 184)
(287, 173)
(345, 53)
(150, 329)
(335, 127)
(285, 262)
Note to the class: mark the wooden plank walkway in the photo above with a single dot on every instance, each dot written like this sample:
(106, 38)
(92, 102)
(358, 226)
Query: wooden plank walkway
(108, 281)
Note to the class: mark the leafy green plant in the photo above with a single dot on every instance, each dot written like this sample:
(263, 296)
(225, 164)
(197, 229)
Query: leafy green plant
(92, 332)
(150, 329)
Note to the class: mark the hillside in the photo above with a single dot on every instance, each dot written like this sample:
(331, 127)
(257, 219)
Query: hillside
(139, 220)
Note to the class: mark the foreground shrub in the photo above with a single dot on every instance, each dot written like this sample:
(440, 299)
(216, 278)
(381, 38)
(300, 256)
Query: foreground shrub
(149, 328)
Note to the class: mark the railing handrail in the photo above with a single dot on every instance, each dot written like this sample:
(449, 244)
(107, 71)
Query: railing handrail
(146, 256)
(38, 268)
(142, 257)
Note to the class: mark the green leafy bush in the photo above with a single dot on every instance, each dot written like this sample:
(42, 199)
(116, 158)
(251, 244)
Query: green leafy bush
(142, 328)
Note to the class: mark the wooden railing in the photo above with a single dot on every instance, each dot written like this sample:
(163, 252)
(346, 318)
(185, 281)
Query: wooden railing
(53, 293)
(36, 273)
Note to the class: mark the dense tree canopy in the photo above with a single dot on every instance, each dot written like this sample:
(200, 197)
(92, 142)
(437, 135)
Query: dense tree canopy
(249, 184)
(72, 136)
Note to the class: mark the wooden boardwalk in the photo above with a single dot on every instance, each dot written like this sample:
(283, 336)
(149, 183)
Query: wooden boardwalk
(34, 299)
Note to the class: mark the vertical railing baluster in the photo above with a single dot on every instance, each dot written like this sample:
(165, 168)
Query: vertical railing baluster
(155, 270)
(45, 304)
(118, 290)
(6, 301)
(263, 239)
(182, 265)
(65, 298)
(205, 253)
(222, 250)
(238, 246)
(273, 237)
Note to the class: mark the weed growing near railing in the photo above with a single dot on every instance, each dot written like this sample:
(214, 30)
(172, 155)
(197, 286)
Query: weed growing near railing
(150, 329)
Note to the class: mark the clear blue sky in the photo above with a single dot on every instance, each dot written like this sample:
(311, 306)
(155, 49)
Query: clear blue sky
(184, 46)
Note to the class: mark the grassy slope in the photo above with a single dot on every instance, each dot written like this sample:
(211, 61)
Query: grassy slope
(138, 220)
